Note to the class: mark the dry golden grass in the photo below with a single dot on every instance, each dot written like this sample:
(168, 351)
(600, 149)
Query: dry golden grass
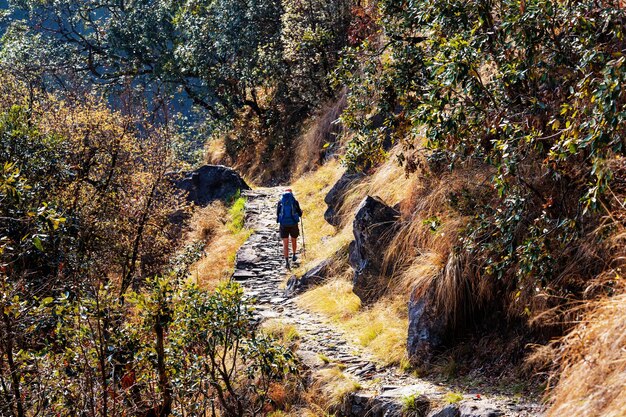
(335, 300)
(207, 221)
(329, 389)
(221, 229)
(381, 328)
(593, 380)
(215, 151)
(320, 135)
(592, 357)
(286, 334)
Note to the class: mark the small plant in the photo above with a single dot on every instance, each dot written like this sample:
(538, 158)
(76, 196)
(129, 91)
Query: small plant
(324, 358)
(405, 364)
(415, 405)
(236, 213)
(453, 397)
(433, 223)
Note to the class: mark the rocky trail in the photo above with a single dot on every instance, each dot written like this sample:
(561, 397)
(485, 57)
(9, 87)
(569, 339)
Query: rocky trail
(261, 271)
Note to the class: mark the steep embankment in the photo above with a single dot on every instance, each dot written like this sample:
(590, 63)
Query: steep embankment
(347, 378)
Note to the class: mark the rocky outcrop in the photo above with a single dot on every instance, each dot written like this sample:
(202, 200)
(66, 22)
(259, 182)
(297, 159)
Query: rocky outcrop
(209, 183)
(430, 324)
(369, 405)
(468, 409)
(312, 277)
(393, 403)
(426, 327)
(373, 226)
(335, 196)
(451, 410)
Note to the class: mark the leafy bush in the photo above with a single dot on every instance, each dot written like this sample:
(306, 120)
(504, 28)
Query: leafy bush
(85, 216)
(529, 90)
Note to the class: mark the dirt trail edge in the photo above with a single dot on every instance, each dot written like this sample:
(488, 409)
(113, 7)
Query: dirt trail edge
(260, 270)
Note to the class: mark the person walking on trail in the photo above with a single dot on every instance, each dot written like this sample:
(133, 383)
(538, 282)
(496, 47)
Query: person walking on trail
(288, 215)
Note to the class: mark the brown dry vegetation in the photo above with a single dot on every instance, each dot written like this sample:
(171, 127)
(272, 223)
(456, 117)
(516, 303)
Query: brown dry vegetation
(328, 390)
(593, 379)
(320, 139)
(592, 372)
(213, 225)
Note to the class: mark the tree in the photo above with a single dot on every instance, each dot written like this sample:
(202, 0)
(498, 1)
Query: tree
(530, 90)
(156, 44)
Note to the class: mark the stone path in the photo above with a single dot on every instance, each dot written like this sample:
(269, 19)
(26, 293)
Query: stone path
(260, 270)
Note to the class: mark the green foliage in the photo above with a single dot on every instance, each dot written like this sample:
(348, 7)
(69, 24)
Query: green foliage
(453, 397)
(433, 223)
(529, 90)
(313, 34)
(159, 42)
(236, 214)
(217, 333)
(415, 405)
(252, 81)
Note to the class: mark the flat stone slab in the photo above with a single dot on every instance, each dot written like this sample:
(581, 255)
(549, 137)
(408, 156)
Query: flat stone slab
(242, 275)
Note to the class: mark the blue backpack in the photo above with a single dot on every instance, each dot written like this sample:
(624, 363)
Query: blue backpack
(288, 214)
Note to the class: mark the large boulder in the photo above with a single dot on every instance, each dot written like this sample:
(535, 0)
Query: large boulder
(426, 326)
(335, 196)
(209, 183)
(373, 227)
(432, 320)
(314, 276)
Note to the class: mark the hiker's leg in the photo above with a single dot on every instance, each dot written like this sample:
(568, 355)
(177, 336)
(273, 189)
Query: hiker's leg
(294, 244)
(286, 247)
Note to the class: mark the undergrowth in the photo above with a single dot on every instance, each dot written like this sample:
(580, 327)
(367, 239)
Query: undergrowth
(329, 388)
(222, 231)
(236, 214)
(380, 328)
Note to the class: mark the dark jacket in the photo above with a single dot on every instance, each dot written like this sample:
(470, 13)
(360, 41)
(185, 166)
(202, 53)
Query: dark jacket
(296, 206)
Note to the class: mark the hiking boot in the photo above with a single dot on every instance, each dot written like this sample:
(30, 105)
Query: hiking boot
(287, 263)
(294, 257)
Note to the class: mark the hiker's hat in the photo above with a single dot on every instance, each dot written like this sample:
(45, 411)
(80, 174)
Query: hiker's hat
(288, 190)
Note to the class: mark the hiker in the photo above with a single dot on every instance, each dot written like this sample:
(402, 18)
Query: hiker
(288, 215)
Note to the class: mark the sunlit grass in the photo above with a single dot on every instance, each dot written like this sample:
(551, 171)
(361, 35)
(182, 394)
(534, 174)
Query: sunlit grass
(322, 240)
(223, 230)
(335, 300)
(330, 387)
(237, 214)
(381, 328)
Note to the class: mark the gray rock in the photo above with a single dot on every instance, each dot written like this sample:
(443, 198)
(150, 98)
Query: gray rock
(335, 196)
(426, 327)
(451, 410)
(209, 183)
(242, 275)
(366, 405)
(373, 226)
(312, 277)
(479, 409)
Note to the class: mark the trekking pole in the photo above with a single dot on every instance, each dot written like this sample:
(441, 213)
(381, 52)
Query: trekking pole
(303, 244)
